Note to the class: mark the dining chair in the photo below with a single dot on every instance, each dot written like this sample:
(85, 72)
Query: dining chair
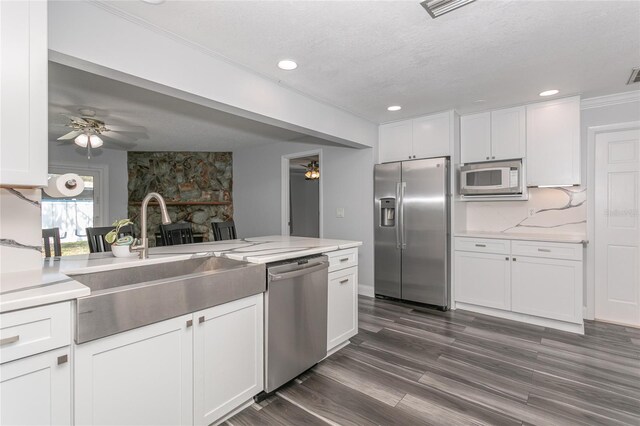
(224, 230)
(95, 237)
(48, 235)
(176, 233)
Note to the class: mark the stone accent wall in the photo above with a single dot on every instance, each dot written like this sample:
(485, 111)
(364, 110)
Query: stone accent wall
(196, 185)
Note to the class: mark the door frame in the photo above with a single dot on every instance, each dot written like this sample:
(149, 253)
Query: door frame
(590, 265)
(285, 209)
(101, 196)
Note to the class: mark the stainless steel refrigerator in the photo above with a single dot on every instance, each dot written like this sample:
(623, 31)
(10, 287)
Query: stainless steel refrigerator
(412, 231)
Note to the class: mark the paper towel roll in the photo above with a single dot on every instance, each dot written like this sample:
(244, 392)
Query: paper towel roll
(66, 185)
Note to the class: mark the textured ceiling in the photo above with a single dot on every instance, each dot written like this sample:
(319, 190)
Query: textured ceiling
(365, 55)
(168, 124)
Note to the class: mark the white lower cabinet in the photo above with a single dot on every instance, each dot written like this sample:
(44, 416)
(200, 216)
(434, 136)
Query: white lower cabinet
(483, 279)
(342, 315)
(139, 377)
(228, 357)
(192, 369)
(549, 288)
(36, 390)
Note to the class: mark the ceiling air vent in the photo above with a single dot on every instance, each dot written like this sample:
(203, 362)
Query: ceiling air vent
(436, 8)
(635, 76)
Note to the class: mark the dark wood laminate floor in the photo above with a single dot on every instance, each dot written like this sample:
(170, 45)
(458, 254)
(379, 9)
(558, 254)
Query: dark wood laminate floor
(412, 366)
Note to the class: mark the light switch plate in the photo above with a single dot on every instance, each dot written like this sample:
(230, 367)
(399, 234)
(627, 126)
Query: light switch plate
(340, 212)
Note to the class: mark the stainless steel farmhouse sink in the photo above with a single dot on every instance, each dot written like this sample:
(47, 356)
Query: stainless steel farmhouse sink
(123, 299)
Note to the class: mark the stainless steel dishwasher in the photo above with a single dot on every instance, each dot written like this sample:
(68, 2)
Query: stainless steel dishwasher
(295, 318)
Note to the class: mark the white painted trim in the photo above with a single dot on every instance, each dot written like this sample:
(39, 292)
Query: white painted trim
(226, 417)
(102, 171)
(366, 290)
(608, 100)
(590, 272)
(284, 190)
(529, 319)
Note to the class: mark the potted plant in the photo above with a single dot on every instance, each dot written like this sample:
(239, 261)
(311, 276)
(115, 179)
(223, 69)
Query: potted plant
(120, 246)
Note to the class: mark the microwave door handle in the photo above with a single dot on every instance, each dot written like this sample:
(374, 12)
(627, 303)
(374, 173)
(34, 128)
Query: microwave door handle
(397, 218)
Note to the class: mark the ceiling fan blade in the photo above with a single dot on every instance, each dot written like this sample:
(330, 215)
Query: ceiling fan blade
(74, 118)
(70, 135)
(118, 128)
(118, 137)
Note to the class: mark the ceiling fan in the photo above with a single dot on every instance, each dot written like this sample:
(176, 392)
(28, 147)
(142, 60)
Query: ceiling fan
(89, 131)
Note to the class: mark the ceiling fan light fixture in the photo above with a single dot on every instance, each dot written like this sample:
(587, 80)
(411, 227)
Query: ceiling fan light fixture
(96, 141)
(313, 171)
(82, 140)
(437, 8)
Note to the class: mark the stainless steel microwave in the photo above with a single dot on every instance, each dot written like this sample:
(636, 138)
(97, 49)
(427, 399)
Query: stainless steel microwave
(499, 178)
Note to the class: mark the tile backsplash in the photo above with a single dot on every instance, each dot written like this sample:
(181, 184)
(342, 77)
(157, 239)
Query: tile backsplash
(548, 211)
(20, 230)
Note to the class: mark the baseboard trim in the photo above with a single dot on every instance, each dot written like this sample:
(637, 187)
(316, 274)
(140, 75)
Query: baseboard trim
(234, 412)
(366, 290)
(529, 319)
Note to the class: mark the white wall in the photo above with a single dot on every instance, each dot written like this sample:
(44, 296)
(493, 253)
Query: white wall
(304, 198)
(114, 161)
(347, 176)
(128, 49)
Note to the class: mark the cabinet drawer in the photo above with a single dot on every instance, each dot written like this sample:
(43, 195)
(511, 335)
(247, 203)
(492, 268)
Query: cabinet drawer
(342, 259)
(483, 245)
(31, 331)
(549, 250)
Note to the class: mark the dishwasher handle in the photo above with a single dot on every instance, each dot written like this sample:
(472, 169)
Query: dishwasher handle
(307, 268)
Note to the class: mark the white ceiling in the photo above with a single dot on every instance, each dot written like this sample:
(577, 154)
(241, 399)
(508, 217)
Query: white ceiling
(366, 55)
(168, 124)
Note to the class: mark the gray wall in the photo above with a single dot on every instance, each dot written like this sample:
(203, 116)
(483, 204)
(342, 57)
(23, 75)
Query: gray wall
(304, 198)
(116, 163)
(347, 176)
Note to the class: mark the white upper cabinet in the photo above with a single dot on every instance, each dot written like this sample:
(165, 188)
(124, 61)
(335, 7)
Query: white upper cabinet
(475, 137)
(432, 135)
(396, 141)
(553, 142)
(23, 93)
(508, 133)
(494, 135)
(423, 137)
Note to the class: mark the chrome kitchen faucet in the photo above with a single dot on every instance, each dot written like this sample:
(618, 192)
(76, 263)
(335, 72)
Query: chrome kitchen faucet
(143, 247)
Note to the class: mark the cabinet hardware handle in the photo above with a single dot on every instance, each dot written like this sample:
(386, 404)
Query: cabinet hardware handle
(8, 340)
(487, 158)
(493, 158)
(514, 259)
(63, 359)
(201, 320)
(544, 250)
(344, 281)
(409, 157)
(481, 245)
(189, 323)
(506, 258)
(344, 259)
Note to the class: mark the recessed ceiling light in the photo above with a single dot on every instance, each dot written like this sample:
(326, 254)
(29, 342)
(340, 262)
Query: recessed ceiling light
(153, 1)
(287, 65)
(549, 92)
(394, 108)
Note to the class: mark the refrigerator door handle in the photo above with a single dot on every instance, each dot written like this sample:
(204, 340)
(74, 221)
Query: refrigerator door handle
(403, 239)
(399, 203)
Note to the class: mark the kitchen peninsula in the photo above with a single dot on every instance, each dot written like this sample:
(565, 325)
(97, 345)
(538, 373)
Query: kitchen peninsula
(195, 368)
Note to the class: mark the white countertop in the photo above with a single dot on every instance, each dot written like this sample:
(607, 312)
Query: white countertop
(556, 238)
(51, 284)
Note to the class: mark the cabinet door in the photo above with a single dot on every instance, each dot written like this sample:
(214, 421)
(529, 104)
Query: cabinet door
(228, 357)
(508, 133)
(342, 314)
(483, 279)
(553, 142)
(396, 141)
(139, 377)
(23, 93)
(548, 288)
(475, 137)
(432, 136)
(36, 390)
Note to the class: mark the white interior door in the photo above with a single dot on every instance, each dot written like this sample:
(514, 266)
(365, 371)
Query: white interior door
(617, 227)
